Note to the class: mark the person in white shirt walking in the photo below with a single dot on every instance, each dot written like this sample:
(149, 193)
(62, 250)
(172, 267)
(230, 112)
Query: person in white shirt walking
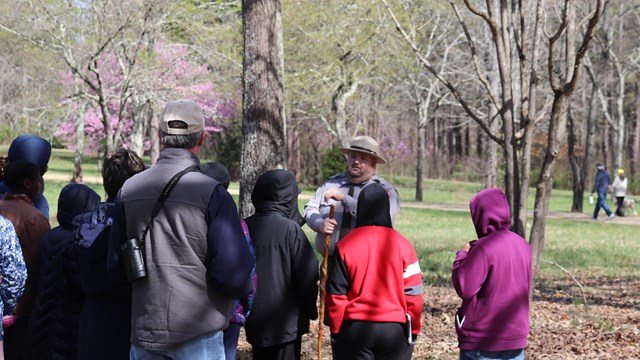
(619, 189)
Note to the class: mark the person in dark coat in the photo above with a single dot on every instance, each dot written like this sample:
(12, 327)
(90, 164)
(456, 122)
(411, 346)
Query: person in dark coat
(24, 181)
(287, 270)
(53, 327)
(105, 320)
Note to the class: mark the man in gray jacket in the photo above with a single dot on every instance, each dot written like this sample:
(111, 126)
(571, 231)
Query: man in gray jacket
(342, 190)
(195, 253)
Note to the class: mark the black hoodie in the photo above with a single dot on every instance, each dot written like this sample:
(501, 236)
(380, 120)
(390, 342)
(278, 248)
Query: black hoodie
(53, 327)
(286, 266)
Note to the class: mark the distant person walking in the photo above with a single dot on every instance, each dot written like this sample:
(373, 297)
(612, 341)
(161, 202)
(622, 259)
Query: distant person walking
(601, 186)
(492, 276)
(619, 189)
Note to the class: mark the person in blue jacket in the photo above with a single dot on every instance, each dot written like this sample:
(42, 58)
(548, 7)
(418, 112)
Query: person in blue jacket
(601, 186)
(104, 328)
(36, 150)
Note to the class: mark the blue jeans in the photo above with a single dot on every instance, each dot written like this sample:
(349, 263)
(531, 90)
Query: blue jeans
(517, 354)
(206, 347)
(602, 203)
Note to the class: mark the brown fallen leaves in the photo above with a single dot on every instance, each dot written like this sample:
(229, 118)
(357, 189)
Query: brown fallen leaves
(608, 327)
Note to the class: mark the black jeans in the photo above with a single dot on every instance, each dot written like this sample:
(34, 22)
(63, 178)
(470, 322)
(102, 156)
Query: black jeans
(286, 351)
(363, 340)
(619, 204)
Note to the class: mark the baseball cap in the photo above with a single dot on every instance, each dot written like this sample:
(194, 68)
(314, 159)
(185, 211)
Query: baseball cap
(182, 117)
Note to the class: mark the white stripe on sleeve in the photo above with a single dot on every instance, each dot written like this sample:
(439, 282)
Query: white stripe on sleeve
(411, 270)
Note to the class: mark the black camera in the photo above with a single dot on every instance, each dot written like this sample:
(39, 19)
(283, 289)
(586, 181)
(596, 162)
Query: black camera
(133, 260)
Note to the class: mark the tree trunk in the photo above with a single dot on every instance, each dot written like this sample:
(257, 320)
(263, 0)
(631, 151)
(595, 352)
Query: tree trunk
(555, 140)
(578, 183)
(77, 157)
(136, 143)
(338, 105)
(423, 115)
(264, 145)
(154, 140)
(620, 134)
(563, 87)
(635, 146)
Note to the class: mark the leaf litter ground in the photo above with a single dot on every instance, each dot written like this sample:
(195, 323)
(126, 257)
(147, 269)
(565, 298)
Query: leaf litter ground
(562, 326)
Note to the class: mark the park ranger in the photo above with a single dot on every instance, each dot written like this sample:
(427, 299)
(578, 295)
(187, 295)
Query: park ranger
(342, 190)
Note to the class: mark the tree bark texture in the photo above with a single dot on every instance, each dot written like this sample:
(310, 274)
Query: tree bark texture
(264, 145)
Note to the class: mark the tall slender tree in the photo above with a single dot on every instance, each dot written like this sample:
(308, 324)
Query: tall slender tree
(264, 144)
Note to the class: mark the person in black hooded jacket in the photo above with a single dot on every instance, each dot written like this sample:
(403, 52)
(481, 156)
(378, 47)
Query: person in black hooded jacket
(286, 267)
(53, 327)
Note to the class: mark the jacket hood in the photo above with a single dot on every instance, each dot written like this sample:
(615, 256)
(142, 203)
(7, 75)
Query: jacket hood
(490, 212)
(277, 190)
(74, 200)
(30, 148)
(373, 206)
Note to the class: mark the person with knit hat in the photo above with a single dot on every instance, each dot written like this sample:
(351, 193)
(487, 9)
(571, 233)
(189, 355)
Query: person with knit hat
(619, 189)
(35, 150)
(342, 190)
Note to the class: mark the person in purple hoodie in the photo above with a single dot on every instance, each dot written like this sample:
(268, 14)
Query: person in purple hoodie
(492, 276)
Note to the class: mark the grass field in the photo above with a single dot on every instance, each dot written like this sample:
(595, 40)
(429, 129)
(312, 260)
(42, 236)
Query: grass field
(584, 248)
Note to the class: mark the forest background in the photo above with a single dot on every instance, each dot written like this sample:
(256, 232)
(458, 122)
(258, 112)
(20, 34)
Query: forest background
(489, 92)
(497, 93)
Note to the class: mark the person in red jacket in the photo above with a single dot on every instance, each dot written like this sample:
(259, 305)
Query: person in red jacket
(374, 286)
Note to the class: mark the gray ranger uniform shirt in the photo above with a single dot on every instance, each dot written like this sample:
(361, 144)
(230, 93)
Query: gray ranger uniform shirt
(317, 209)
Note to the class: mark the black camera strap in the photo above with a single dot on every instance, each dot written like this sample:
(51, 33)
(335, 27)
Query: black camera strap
(163, 196)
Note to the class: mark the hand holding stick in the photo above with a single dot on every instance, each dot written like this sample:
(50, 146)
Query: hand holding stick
(323, 282)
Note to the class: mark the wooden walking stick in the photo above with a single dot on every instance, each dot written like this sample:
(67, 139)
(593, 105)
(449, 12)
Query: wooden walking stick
(323, 283)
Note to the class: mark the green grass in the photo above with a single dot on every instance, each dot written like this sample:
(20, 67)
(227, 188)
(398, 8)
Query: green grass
(584, 248)
(460, 193)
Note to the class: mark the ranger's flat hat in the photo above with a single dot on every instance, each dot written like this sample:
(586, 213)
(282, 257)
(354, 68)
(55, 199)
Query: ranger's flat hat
(366, 145)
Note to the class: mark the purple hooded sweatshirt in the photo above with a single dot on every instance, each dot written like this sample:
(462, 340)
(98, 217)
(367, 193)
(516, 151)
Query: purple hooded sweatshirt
(493, 280)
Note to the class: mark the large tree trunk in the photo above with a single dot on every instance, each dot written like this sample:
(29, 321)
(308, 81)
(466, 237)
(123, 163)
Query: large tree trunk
(264, 145)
